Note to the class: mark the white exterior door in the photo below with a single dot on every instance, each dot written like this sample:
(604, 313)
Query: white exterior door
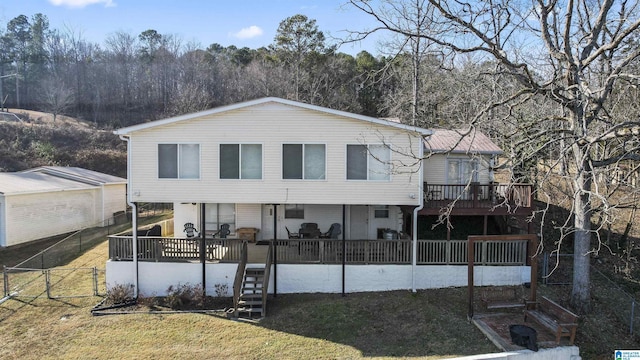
(359, 222)
(267, 224)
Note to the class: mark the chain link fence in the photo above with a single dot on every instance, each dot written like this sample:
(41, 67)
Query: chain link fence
(616, 300)
(557, 269)
(36, 275)
(55, 283)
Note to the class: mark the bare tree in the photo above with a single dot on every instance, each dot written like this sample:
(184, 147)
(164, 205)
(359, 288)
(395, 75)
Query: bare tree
(574, 54)
(56, 97)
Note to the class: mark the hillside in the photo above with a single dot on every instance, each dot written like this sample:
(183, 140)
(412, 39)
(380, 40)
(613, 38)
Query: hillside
(39, 141)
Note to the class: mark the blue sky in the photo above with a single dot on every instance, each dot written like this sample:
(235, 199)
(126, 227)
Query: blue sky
(250, 23)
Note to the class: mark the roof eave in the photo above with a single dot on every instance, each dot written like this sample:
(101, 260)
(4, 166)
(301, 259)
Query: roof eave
(128, 130)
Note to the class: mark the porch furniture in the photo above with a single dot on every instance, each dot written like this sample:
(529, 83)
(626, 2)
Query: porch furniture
(292, 235)
(502, 298)
(309, 231)
(190, 230)
(546, 312)
(333, 232)
(222, 232)
(247, 233)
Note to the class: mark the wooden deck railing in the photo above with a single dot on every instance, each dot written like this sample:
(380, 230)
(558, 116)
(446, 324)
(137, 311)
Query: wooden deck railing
(174, 249)
(476, 195)
(237, 282)
(430, 252)
(325, 251)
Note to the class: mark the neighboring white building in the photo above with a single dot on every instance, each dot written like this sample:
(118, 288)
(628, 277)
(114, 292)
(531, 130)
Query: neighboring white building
(52, 200)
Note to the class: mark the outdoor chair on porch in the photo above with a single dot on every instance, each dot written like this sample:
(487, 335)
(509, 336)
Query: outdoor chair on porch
(292, 235)
(190, 230)
(309, 231)
(333, 232)
(223, 232)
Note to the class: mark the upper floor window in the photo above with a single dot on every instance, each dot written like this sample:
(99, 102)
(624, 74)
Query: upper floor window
(368, 162)
(304, 161)
(240, 161)
(178, 161)
(462, 171)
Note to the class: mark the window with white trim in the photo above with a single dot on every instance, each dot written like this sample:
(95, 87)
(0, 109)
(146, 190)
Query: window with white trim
(368, 162)
(304, 161)
(462, 171)
(179, 161)
(240, 161)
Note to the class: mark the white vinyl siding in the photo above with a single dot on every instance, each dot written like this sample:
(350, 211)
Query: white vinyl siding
(273, 125)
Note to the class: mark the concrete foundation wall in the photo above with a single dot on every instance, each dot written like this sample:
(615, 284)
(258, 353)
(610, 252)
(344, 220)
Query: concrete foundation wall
(155, 278)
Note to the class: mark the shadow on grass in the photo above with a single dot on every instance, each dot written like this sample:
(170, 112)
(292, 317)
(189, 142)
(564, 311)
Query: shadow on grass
(396, 323)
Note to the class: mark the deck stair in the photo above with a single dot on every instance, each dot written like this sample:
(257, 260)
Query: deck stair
(250, 301)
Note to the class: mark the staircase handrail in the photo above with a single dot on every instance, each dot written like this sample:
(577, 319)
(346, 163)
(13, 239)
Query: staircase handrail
(265, 279)
(237, 283)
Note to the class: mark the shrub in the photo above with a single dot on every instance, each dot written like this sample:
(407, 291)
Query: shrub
(186, 295)
(120, 294)
(221, 290)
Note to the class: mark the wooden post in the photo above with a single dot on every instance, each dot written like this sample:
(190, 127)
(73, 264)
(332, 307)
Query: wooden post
(470, 282)
(275, 250)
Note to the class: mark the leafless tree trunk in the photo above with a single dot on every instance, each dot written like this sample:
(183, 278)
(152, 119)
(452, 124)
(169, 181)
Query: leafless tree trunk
(579, 52)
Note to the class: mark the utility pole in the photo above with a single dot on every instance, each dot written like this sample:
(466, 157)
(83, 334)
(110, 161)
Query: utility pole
(2, 98)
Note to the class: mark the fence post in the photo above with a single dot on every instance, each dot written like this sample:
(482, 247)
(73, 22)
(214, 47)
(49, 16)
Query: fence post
(47, 274)
(633, 307)
(5, 283)
(95, 281)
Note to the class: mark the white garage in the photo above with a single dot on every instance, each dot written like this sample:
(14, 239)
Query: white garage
(51, 200)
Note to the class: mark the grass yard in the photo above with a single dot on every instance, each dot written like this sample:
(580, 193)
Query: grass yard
(427, 325)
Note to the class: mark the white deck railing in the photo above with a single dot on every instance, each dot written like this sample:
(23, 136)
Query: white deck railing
(324, 251)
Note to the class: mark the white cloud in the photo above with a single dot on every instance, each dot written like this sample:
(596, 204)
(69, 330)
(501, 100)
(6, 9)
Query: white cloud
(81, 3)
(248, 33)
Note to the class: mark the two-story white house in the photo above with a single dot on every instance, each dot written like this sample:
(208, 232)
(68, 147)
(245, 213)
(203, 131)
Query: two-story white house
(275, 166)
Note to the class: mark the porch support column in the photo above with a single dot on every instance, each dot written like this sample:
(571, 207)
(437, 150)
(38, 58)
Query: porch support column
(414, 223)
(484, 229)
(134, 247)
(275, 250)
(344, 248)
(203, 254)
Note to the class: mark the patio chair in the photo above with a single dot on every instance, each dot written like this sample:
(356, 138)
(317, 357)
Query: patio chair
(292, 235)
(309, 231)
(190, 230)
(333, 232)
(223, 232)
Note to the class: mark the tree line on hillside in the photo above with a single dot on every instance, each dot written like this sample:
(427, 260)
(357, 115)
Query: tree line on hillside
(132, 78)
(555, 84)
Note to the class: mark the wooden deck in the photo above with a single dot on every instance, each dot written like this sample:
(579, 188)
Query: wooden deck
(478, 199)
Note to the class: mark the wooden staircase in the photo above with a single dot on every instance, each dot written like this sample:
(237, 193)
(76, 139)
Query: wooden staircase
(250, 300)
(251, 286)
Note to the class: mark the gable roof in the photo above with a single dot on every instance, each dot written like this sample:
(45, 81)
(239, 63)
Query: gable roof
(460, 142)
(222, 109)
(53, 178)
